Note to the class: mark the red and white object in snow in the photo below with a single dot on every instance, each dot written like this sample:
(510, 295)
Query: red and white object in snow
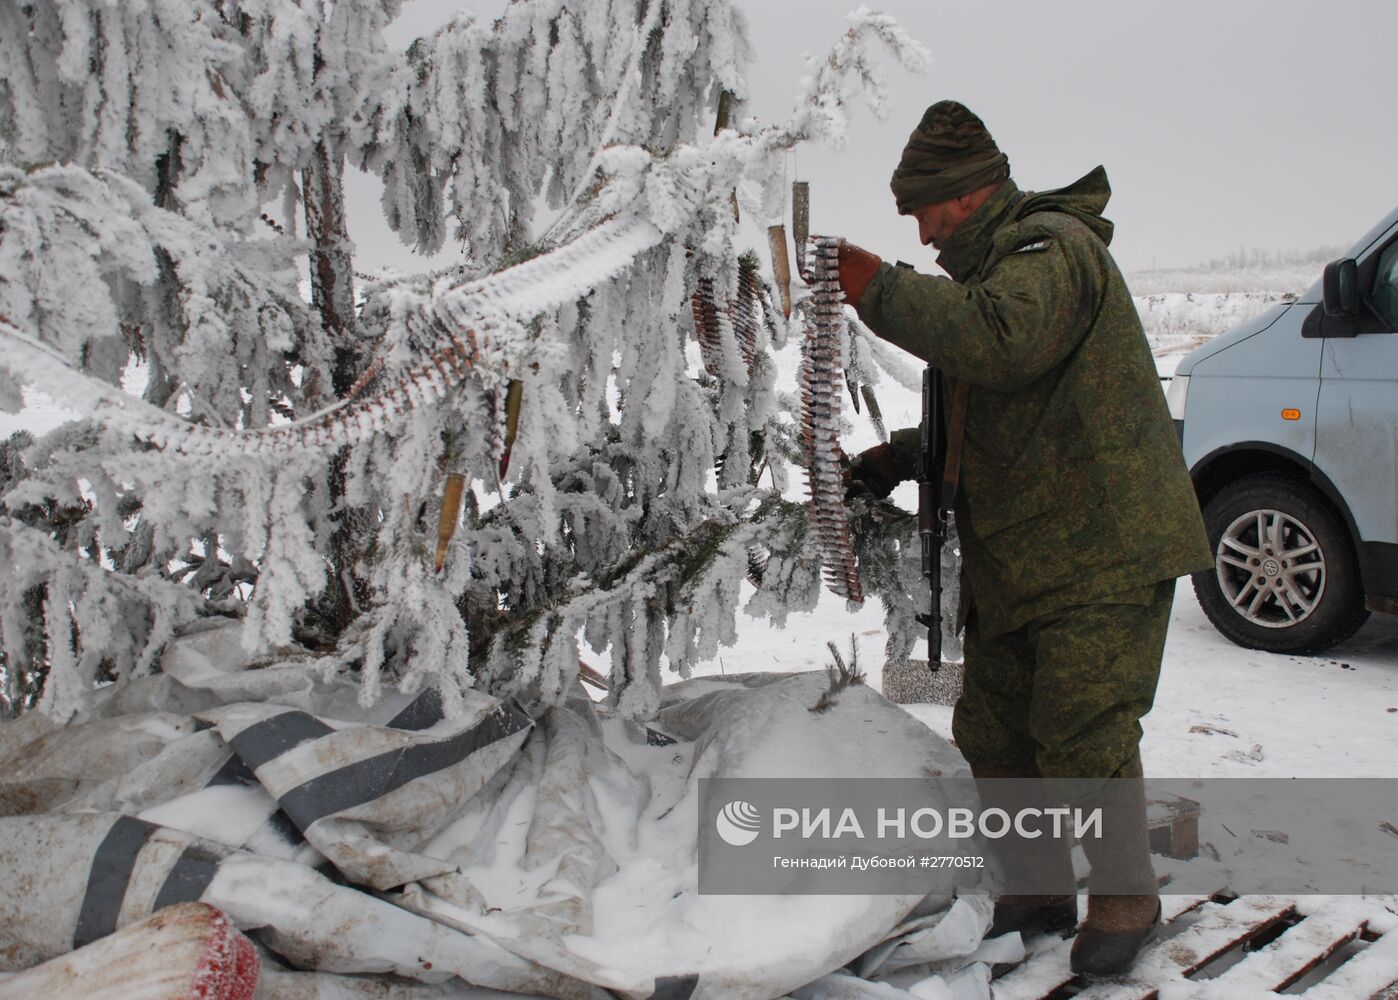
(190, 951)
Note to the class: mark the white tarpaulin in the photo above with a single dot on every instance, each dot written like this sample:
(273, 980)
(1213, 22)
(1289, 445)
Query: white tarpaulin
(552, 854)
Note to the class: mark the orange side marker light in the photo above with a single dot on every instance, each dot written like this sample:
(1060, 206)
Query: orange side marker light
(1291, 414)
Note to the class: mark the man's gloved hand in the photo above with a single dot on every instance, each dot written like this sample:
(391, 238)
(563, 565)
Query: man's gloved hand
(874, 473)
(857, 268)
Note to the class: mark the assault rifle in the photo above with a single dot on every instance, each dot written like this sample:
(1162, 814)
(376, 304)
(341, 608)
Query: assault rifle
(941, 465)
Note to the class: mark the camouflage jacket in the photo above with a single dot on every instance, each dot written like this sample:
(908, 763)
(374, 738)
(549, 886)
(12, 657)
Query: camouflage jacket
(1073, 487)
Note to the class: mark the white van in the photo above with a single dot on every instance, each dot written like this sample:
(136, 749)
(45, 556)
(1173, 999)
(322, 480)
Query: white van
(1289, 425)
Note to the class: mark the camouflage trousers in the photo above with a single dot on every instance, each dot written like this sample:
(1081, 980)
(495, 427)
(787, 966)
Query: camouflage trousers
(1063, 696)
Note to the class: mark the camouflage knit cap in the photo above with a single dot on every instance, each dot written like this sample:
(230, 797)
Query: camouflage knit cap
(949, 154)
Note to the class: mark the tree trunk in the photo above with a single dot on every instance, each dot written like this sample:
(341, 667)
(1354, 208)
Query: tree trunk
(332, 267)
(332, 295)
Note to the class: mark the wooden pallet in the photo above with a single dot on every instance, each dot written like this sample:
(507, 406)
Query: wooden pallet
(1222, 947)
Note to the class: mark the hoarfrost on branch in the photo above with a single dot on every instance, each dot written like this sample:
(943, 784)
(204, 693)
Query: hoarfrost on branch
(171, 172)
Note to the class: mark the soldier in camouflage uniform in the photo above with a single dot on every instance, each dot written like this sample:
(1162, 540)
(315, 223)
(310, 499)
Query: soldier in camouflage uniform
(1075, 510)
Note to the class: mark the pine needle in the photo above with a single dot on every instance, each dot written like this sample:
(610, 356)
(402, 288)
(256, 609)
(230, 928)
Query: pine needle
(842, 675)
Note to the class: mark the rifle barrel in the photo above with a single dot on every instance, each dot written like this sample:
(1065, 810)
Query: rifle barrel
(931, 527)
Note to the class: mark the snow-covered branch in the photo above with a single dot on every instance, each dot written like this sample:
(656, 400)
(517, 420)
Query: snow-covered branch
(285, 452)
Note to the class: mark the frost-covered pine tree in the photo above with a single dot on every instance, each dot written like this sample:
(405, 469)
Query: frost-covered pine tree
(268, 435)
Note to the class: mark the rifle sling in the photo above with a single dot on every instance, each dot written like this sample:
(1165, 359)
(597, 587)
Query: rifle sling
(956, 431)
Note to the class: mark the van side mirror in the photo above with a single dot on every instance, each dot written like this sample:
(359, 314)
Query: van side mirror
(1340, 288)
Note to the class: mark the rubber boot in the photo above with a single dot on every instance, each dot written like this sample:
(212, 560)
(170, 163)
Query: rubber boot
(1123, 905)
(1046, 865)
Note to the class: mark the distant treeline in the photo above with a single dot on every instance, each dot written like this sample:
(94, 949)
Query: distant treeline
(1284, 271)
(1245, 258)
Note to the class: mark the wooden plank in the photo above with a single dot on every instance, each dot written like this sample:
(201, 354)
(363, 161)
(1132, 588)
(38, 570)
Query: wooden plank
(1042, 972)
(1174, 906)
(1211, 990)
(1371, 971)
(1299, 950)
(1220, 928)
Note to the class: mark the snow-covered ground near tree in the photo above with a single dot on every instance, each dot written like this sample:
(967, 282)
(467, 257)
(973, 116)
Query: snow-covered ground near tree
(1220, 711)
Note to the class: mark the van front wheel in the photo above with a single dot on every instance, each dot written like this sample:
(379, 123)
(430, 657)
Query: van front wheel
(1285, 578)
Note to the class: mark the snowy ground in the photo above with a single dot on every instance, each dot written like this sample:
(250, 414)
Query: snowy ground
(1221, 711)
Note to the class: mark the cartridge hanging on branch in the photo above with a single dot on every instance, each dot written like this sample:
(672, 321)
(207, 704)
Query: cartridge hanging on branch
(781, 265)
(725, 111)
(800, 220)
(514, 397)
(722, 120)
(821, 373)
(450, 514)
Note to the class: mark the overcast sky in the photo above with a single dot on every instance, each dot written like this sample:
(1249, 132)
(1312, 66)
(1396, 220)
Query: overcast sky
(1222, 123)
